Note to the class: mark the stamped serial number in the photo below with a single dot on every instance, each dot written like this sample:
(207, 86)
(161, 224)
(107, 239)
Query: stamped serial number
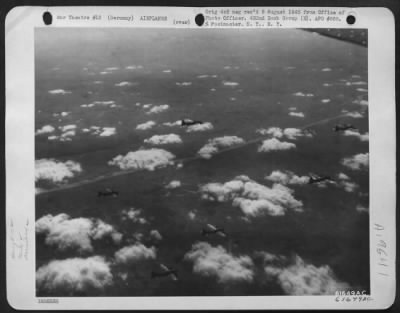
(47, 300)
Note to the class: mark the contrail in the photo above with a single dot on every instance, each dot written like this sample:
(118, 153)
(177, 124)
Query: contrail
(177, 161)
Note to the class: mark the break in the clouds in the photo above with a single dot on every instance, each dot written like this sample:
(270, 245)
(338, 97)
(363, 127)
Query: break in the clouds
(297, 114)
(287, 178)
(55, 171)
(274, 144)
(252, 198)
(214, 145)
(133, 215)
(73, 275)
(46, 129)
(59, 92)
(158, 109)
(302, 94)
(357, 162)
(356, 133)
(149, 159)
(164, 139)
(132, 254)
(217, 262)
(146, 125)
(64, 233)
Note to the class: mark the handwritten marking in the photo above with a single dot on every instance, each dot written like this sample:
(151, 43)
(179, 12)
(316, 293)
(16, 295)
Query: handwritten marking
(382, 250)
(19, 241)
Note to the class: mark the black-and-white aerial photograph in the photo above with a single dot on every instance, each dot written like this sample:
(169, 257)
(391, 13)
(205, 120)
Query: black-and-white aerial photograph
(201, 162)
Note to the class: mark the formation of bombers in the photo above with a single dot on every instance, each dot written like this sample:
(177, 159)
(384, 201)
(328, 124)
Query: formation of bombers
(209, 229)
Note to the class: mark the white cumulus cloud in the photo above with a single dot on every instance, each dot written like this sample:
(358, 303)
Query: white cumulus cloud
(158, 109)
(46, 129)
(123, 84)
(132, 254)
(297, 114)
(199, 127)
(55, 171)
(215, 144)
(173, 184)
(133, 215)
(251, 197)
(154, 233)
(59, 92)
(65, 233)
(163, 139)
(74, 275)
(287, 178)
(146, 125)
(298, 278)
(356, 133)
(230, 84)
(216, 261)
(357, 162)
(149, 159)
(108, 131)
(274, 144)
(302, 94)
(354, 114)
